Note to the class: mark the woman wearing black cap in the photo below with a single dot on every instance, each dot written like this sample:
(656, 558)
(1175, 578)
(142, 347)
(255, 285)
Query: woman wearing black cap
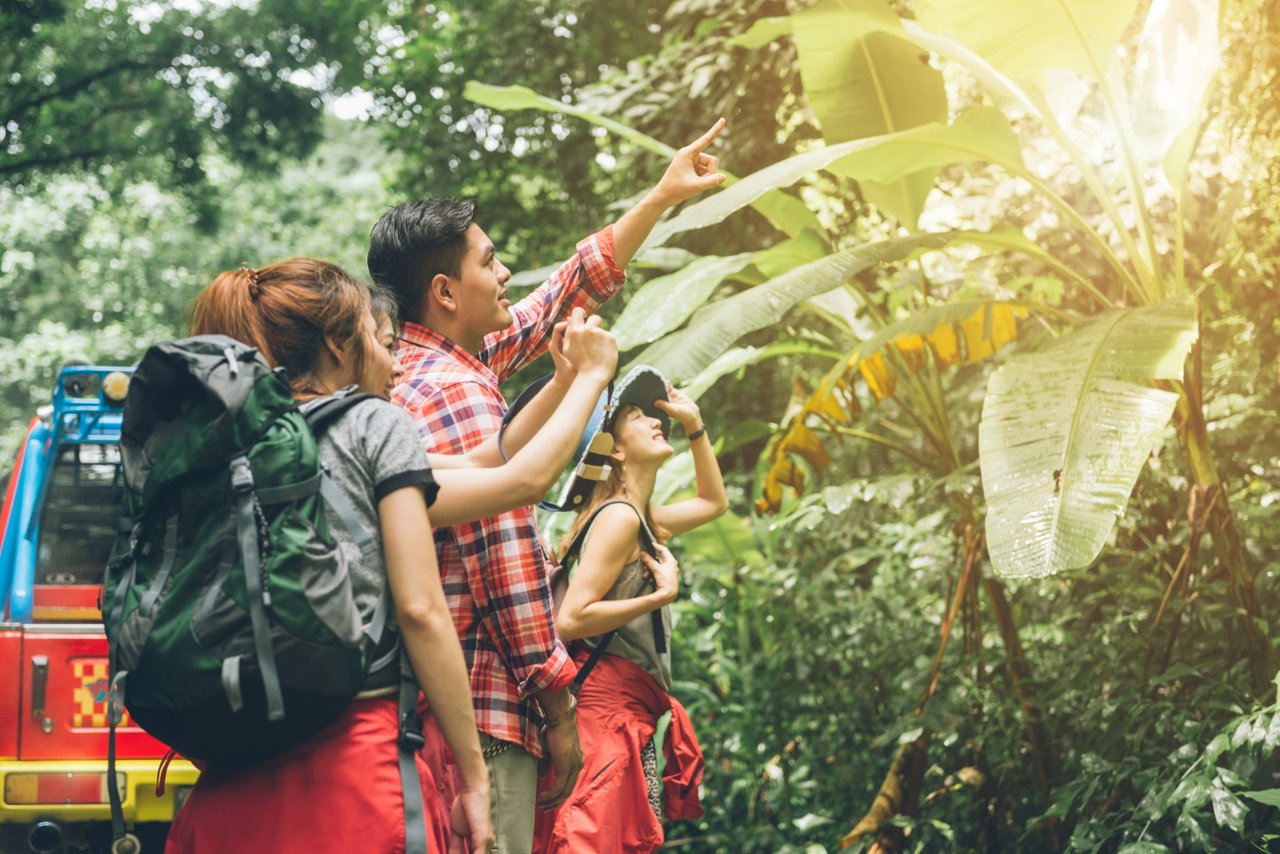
(616, 609)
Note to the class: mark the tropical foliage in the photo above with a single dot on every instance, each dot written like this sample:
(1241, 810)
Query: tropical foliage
(985, 323)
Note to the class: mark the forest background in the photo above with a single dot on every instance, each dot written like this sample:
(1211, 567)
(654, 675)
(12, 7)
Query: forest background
(978, 263)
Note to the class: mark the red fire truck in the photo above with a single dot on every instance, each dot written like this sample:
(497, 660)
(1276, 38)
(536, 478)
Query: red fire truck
(57, 525)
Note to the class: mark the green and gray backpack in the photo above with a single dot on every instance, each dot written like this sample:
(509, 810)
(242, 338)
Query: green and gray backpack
(233, 633)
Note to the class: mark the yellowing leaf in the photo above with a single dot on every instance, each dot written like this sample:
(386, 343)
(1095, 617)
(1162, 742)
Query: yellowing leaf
(955, 334)
(832, 401)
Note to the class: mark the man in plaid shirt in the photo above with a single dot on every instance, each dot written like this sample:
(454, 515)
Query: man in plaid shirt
(459, 339)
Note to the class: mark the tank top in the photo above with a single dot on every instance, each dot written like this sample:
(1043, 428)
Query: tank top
(635, 640)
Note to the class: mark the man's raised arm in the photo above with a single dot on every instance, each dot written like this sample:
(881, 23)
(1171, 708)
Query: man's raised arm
(692, 171)
(596, 271)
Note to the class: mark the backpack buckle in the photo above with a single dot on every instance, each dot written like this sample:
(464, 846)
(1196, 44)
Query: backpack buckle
(411, 731)
(241, 476)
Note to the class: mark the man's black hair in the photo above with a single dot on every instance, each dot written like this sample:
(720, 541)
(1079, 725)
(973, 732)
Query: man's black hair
(414, 242)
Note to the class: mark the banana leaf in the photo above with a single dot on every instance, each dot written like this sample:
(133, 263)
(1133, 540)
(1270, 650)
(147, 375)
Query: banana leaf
(738, 358)
(715, 327)
(665, 303)
(980, 133)
(863, 78)
(1025, 38)
(1066, 430)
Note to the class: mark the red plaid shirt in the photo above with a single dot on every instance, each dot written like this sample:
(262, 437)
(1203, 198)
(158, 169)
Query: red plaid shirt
(494, 574)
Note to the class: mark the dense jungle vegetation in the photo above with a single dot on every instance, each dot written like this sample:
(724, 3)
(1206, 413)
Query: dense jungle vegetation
(987, 332)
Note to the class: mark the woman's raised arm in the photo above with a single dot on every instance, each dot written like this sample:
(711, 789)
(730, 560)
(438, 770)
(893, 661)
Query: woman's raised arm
(478, 493)
(710, 501)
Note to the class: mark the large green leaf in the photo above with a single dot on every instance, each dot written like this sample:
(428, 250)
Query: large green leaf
(1066, 430)
(1006, 93)
(1177, 56)
(763, 31)
(714, 328)
(664, 303)
(530, 278)
(738, 358)
(863, 78)
(981, 133)
(727, 541)
(660, 257)
(779, 258)
(1024, 38)
(787, 213)
(1270, 797)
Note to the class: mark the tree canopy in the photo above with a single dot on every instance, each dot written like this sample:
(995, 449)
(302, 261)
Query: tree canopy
(152, 89)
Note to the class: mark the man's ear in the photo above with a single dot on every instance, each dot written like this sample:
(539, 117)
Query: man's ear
(441, 292)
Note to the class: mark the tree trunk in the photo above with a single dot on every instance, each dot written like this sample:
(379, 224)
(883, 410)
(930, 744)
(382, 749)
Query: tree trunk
(900, 791)
(1222, 526)
(899, 794)
(1042, 752)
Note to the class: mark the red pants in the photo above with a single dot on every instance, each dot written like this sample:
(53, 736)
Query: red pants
(609, 809)
(338, 792)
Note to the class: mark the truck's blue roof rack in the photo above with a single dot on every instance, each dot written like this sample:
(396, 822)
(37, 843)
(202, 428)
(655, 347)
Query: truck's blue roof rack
(83, 414)
(89, 418)
(86, 419)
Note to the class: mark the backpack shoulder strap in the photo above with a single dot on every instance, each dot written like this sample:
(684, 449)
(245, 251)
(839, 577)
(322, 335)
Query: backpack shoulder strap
(323, 412)
(580, 539)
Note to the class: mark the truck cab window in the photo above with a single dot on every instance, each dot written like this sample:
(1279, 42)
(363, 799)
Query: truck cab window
(78, 519)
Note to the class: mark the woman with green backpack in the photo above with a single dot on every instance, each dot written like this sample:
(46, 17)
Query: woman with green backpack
(341, 789)
(615, 606)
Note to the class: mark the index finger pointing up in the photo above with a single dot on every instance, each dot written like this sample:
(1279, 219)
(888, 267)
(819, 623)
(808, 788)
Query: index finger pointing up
(700, 144)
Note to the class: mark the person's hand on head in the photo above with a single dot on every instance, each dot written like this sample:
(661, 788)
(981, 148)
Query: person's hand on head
(589, 347)
(664, 571)
(692, 170)
(681, 408)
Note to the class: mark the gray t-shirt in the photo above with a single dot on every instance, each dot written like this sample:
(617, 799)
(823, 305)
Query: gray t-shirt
(370, 452)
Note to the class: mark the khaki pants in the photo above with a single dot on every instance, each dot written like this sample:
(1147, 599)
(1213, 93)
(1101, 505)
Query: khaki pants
(513, 791)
